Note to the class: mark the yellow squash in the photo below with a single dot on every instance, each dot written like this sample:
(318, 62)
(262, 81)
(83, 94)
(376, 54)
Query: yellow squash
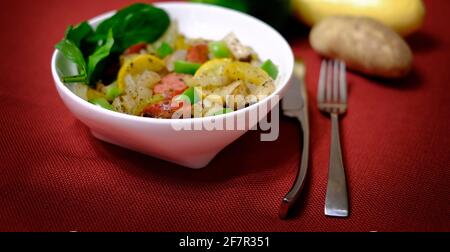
(403, 16)
(212, 67)
(245, 71)
(211, 73)
(138, 65)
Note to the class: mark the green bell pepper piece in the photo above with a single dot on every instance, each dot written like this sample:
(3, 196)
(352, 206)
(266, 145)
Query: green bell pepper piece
(102, 102)
(186, 67)
(112, 91)
(191, 94)
(270, 68)
(219, 49)
(164, 50)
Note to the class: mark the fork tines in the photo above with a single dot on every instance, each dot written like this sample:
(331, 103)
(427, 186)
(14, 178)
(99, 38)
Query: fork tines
(332, 90)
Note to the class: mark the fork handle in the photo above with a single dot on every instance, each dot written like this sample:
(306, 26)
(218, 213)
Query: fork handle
(336, 202)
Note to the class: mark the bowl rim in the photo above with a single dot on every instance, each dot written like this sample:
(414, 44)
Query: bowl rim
(63, 88)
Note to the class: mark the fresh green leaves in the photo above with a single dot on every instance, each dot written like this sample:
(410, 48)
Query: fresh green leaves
(85, 68)
(79, 33)
(73, 53)
(94, 51)
(113, 21)
(136, 23)
(100, 53)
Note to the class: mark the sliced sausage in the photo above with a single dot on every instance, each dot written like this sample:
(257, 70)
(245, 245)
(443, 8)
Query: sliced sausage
(135, 48)
(165, 109)
(197, 53)
(171, 85)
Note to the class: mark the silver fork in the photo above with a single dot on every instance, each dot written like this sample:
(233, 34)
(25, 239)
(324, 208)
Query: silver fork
(332, 99)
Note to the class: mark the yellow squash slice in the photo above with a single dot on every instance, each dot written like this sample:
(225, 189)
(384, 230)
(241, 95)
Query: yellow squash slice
(213, 67)
(138, 65)
(245, 71)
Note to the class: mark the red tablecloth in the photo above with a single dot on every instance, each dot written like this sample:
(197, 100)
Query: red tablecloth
(54, 176)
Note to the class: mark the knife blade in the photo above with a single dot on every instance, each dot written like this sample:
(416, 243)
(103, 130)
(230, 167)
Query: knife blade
(294, 104)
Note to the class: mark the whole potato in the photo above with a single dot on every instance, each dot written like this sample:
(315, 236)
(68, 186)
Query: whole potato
(364, 44)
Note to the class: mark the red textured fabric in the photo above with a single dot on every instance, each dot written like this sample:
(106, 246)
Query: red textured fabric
(55, 176)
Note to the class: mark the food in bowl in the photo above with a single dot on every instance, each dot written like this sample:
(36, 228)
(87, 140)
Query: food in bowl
(137, 62)
(167, 138)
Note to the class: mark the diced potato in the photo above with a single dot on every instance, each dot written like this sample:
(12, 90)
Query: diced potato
(212, 105)
(238, 50)
(147, 79)
(124, 104)
(241, 89)
(137, 92)
(227, 90)
(261, 90)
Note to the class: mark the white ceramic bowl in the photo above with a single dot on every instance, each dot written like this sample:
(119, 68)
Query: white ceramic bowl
(157, 137)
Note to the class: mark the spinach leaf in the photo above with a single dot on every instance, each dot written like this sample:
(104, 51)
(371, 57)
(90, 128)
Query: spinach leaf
(73, 53)
(81, 36)
(136, 23)
(145, 25)
(86, 71)
(79, 33)
(100, 53)
(109, 23)
(96, 53)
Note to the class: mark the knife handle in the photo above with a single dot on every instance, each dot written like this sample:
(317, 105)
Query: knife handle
(290, 198)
